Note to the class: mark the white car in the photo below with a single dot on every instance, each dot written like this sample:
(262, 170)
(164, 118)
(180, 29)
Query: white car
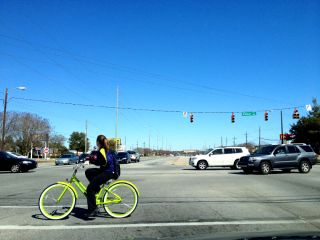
(219, 157)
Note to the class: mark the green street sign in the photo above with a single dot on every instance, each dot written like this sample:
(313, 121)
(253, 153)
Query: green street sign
(246, 114)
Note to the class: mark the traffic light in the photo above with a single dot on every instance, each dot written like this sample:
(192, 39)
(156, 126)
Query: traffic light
(266, 116)
(191, 118)
(295, 114)
(232, 117)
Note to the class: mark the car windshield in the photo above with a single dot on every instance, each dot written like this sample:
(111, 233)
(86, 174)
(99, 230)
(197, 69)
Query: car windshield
(13, 154)
(265, 150)
(131, 152)
(65, 156)
(122, 154)
(208, 151)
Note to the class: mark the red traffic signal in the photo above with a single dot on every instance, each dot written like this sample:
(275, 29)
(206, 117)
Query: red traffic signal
(191, 118)
(232, 117)
(266, 116)
(295, 114)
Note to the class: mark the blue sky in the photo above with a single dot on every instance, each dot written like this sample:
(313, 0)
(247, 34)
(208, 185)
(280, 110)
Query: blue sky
(174, 55)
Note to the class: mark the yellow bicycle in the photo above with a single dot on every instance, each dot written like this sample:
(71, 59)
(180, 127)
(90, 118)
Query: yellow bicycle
(119, 198)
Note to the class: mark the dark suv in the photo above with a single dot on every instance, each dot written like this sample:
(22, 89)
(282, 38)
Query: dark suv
(284, 157)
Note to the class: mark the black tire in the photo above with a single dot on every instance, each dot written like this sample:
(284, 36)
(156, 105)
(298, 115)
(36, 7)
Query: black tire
(235, 165)
(265, 168)
(202, 165)
(15, 168)
(304, 166)
(247, 170)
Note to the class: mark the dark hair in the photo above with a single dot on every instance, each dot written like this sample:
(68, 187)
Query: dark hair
(103, 142)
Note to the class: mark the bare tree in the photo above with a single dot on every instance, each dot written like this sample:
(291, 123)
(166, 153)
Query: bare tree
(25, 130)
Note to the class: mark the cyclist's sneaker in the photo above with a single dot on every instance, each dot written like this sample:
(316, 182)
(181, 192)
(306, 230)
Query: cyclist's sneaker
(91, 214)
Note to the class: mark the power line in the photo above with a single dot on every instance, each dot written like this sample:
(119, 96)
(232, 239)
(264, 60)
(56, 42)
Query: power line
(143, 109)
(123, 68)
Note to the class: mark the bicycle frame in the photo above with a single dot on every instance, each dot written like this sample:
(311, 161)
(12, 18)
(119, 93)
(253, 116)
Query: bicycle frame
(99, 196)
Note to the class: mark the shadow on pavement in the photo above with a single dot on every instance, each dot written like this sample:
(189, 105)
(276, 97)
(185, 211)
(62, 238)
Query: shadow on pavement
(258, 173)
(208, 169)
(41, 217)
(80, 213)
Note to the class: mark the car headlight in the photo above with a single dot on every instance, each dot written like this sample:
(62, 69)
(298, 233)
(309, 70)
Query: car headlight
(26, 162)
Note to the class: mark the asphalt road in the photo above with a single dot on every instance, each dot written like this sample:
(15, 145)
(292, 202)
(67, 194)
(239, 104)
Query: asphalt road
(176, 202)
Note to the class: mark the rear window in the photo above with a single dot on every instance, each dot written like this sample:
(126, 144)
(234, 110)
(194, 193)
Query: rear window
(238, 150)
(306, 148)
(228, 150)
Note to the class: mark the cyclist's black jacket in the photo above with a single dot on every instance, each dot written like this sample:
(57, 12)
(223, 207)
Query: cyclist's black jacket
(105, 160)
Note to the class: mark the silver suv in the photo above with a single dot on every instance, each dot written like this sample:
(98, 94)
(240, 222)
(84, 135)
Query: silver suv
(285, 157)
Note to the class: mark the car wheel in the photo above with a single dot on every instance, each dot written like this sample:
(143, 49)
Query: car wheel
(235, 165)
(15, 168)
(304, 166)
(202, 165)
(247, 170)
(265, 168)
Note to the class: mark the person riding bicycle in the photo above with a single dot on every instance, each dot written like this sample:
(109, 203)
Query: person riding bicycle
(99, 176)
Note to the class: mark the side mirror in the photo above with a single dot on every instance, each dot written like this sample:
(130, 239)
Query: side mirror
(210, 154)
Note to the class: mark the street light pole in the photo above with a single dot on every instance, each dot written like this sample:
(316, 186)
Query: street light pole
(281, 127)
(4, 119)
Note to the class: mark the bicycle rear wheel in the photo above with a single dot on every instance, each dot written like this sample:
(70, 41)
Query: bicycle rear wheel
(122, 200)
(57, 201)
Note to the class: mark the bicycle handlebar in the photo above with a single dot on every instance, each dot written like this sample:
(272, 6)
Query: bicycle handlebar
(77, 166)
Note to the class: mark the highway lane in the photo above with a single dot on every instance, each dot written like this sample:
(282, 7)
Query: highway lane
(176, 201)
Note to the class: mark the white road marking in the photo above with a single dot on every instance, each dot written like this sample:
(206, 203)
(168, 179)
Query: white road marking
(165, 224)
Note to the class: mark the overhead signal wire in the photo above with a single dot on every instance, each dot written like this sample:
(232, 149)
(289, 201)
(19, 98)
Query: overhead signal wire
(142, 72)
(145, 109)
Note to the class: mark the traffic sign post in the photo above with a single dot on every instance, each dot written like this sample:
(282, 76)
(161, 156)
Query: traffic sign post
(45, 151)
(249, 114)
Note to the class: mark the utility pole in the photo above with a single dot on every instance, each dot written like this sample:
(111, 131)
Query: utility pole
(246, 139)
(85, 140)
(226, 141)
(281, 127)
(259, 136)
(234, 141)
(117, 109)
(157, 142)
(117, 118)
(221, 142)
(149, 141)
(4, 119)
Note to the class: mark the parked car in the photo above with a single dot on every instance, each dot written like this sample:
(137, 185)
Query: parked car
(83, 157)
(285, 157)
(123, 157)
(134, 156)
(219, 157)
(15, 164)
(67, 159)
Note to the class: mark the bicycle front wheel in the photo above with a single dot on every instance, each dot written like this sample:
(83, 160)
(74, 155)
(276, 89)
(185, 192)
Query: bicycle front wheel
(121, 199)
(57, 201)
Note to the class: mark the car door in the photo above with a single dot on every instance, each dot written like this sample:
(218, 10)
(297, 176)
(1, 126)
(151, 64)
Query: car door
(228, 157)
(280, 158)
(5, 161)
(293, 154)
(216, 157)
